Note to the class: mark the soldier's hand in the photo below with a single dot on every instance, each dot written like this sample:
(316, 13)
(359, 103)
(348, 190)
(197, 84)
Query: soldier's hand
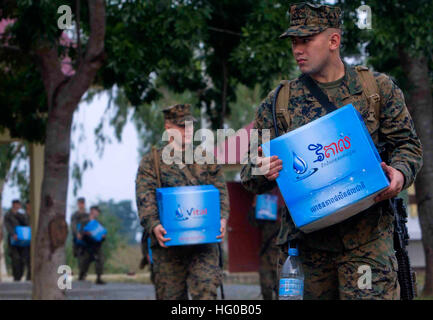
(223, 229)
(15, 237)
(160, 232)
(269, 166)
(395, 185)
(79, 236)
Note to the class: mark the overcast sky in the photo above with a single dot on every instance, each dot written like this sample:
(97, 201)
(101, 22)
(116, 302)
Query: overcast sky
(112, 175)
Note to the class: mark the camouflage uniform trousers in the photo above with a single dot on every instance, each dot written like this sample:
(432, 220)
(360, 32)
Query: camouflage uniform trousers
(86, 255)
(333, 275)
(20, 258)
(180, 270)
(268, 272)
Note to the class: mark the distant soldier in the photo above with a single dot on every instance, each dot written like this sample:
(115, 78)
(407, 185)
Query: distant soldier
(77, 219)
(20, 256)
(179, 270)
(91, 251)
(269, 252)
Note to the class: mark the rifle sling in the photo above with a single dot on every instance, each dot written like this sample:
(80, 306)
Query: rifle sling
(156, 165)
(189, 175)
(318, 93)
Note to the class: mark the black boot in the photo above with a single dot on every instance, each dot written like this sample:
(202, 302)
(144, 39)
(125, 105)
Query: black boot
(82, 276)
(99, 280)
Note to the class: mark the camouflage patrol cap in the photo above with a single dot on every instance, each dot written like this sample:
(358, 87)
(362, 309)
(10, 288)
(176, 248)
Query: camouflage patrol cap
(307, 19)
(178, 114)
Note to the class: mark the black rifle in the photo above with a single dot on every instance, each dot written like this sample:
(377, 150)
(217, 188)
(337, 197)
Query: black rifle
(406, 276)
(221, 263)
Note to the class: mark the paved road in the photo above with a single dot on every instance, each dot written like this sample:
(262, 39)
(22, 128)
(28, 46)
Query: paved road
(85, 290)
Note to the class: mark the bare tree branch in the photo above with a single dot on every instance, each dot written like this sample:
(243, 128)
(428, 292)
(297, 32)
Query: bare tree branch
(225, 31)
(12, 48)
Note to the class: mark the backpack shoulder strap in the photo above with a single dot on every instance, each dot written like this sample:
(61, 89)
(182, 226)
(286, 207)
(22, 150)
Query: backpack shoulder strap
(370, 89)
(281, 102)
(189, 175)
(156, 164)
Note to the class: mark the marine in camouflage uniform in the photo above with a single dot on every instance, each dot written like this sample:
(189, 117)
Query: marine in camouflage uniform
(20, 256)
(91, 251)
(179, 270)
(78, 217)
(269, 253)
(333, 256)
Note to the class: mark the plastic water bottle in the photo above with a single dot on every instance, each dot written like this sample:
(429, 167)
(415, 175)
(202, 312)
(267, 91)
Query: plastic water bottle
(292, 278)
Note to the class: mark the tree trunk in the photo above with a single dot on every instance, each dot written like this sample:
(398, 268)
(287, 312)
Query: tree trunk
(421, 106)
(2, 253)
(52, 227)
(63, 95)
(224, 94)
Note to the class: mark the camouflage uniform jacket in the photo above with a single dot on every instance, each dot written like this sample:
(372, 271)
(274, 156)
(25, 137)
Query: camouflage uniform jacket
(78, 218)
(395, 128)
(172, 176)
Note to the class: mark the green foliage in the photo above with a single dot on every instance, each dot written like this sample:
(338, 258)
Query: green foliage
(114, 236)
(14, 167)
(125, 218)
(204, 47)
(397, 26)
(149, 119)
(142, 37)
(243, 110)
(261, 54)
(24, 107)
(77, 174)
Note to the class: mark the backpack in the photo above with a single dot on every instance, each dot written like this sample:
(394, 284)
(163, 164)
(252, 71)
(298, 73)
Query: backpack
(370, 91)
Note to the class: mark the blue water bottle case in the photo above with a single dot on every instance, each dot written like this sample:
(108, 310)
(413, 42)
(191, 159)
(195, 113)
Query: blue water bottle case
(24, 235)
(266, 207)
(190, 214)
(331, 169)
(96, 230)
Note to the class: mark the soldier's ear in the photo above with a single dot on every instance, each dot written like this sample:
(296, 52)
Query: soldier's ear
(335, 41)
(334, 38)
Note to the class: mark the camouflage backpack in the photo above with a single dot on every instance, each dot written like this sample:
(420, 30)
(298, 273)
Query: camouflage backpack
(370, 92)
